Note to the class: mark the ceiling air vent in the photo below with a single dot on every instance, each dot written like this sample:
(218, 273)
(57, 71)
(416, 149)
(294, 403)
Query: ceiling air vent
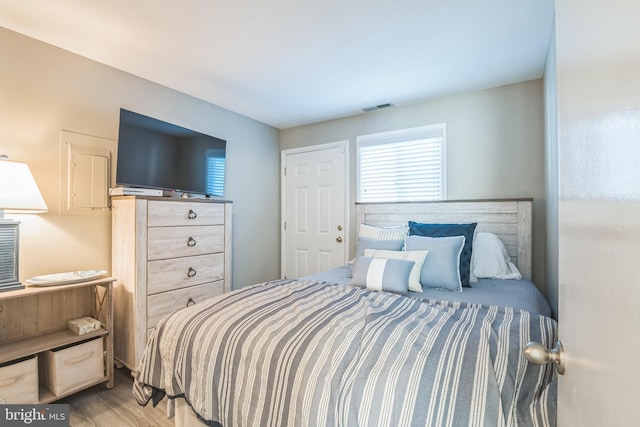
(377, 107)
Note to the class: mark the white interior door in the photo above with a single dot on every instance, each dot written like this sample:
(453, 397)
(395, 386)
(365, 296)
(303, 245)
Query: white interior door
(314, 209)
(598, 88)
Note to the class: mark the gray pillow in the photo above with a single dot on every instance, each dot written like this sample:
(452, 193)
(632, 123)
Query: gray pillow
(366, 243)
(382, 274)
(441, 269)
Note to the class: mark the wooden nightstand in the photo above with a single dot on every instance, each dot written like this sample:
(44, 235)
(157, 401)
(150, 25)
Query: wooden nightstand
(33, 325)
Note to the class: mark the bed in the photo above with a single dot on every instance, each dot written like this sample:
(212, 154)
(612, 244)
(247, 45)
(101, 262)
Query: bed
(324, 350)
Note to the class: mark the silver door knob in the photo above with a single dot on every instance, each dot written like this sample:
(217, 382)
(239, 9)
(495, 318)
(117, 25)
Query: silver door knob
(339, 239)
(539, 354)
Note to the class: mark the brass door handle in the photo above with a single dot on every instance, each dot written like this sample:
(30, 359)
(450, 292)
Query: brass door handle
(339, 239)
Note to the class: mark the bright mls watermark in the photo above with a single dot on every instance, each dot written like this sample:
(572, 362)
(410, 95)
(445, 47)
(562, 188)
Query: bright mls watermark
(54, 415)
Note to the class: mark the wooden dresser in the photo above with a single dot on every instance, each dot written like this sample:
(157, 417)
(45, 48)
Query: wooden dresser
(166, 254)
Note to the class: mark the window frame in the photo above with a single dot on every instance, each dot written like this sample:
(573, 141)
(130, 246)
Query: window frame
(438, 130)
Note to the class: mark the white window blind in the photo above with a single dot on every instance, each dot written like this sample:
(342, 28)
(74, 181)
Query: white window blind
(404, 165)
(215, 175)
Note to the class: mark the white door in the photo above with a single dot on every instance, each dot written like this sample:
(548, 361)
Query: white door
(314, 209)
(598, 94)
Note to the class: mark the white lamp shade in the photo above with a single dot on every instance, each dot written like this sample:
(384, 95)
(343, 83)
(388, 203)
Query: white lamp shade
(18, 190)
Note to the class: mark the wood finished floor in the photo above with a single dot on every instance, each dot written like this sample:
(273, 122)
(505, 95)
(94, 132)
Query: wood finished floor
(100, 407)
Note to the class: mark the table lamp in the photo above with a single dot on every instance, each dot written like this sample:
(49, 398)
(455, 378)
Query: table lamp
(19, 193)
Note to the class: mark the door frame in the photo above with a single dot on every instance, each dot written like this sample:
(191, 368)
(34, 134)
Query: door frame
(283, 194)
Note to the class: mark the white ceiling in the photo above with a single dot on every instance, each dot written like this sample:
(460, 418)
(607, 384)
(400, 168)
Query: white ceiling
(293, 62)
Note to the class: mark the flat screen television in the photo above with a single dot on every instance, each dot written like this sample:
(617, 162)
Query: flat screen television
(156, 154)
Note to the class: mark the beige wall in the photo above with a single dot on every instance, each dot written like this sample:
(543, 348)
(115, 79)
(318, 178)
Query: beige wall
(495, 145)
(44, 89)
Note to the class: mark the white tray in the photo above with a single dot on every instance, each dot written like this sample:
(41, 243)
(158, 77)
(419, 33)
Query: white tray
(65, 278)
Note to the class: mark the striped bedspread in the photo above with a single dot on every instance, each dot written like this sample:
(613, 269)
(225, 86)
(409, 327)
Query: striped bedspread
(306, 353)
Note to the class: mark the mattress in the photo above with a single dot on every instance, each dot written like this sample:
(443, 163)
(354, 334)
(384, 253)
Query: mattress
(519, 294)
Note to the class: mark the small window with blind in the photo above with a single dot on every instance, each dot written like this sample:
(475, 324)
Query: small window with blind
(402, 165)
(216, 164)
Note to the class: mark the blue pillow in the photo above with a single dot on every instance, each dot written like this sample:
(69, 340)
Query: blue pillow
(366, 243)
(447, 230)
(441, 268)
(382, 274)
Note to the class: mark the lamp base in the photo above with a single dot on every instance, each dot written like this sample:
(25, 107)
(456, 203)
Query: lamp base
(14, 286)
(9, 239)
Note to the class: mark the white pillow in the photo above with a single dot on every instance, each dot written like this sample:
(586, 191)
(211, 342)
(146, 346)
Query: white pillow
(490, 259)
(417, 257)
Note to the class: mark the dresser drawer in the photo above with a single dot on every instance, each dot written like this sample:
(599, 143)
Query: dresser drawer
(173, 242)
(170, 274)
(159, 305)
(162, 213)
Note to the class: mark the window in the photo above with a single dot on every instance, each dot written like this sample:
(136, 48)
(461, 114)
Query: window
(215, 174)
(403, 165)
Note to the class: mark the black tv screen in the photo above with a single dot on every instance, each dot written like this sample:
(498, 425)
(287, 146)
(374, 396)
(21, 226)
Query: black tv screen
(156, 154)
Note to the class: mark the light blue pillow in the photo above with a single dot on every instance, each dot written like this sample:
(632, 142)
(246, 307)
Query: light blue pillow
(441, 269)
(382, 274)
(389, 245)
(447, 230)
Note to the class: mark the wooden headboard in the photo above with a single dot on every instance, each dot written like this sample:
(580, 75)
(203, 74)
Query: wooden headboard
(509, 219)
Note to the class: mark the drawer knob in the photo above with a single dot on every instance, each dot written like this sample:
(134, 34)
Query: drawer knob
(191, 242)
(192, 214)
(191, 272)
(190, 302)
